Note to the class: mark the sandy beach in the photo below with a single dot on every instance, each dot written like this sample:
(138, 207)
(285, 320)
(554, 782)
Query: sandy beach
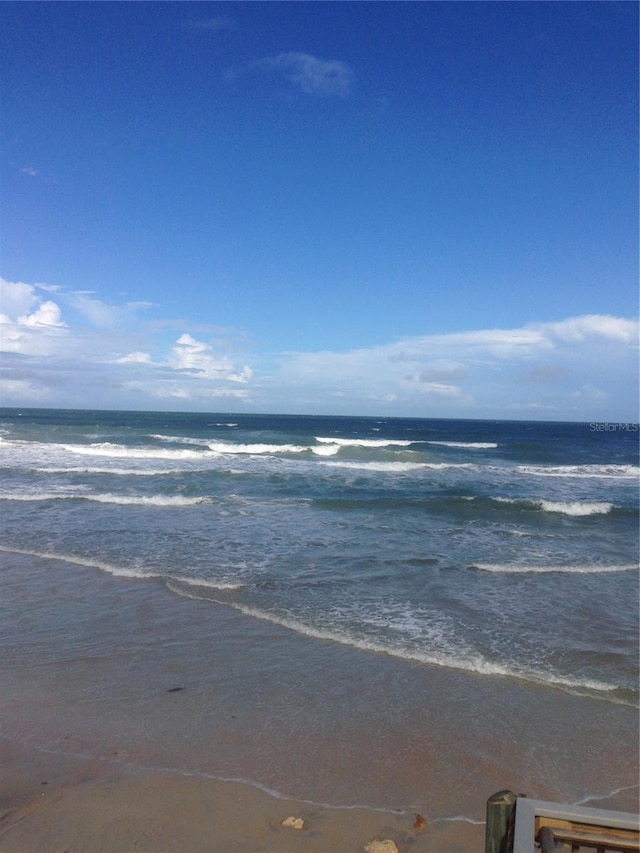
(80, 769)
(133, 719)
(52, 802)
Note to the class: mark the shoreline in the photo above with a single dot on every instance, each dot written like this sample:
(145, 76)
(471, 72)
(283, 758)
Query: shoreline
(136, 706)
(50, 801)
(55, 801)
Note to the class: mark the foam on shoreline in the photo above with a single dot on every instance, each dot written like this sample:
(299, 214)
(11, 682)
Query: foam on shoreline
(175, 702)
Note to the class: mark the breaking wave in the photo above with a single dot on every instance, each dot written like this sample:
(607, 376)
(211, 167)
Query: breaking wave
(514, 568)
(123, 571)
(105, 498)
(575, 508)
(364, 442)
(466, 662)
(587, 471)
(120, 451)
(471, 445)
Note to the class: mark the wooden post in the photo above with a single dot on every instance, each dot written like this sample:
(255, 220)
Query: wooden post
(500, 815)
(546, 839)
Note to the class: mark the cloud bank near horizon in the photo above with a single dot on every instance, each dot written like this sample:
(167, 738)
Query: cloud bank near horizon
(64, 348)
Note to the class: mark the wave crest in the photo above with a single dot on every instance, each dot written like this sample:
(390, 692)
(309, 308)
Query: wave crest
(515, 568)
(106, 498)
(608, 472)
(364, 442)
(468, 663)
(471, 445)
(575, 508)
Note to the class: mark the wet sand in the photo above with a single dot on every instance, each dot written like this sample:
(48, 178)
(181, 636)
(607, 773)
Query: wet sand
(52, 802)
(134, 719)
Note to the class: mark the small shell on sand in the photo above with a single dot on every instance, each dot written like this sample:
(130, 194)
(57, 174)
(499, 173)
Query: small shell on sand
(384, 846)
(293, 822)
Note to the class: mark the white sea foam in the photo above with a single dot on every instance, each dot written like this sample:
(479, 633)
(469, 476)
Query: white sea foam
(148, 500)
(472, 445)
(255, 449)
(595, 797)
(120, 451)
(326, 450)
(458, 819)
(364, 442)
(118, 472)
(607, 472)
(123, 571)
(174, 581)
(110, 568)
(125, 500)
(182, 439)
(441, 466)
(382, 467)
(400, 467)
(575, 508)
(515, 568)
(468, 663)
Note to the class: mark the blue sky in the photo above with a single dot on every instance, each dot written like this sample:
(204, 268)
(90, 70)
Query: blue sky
(418, 209)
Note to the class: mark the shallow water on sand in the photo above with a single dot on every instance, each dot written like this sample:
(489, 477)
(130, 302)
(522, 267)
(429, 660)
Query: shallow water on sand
(124, 671)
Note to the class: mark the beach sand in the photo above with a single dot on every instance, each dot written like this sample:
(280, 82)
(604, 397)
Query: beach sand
(130, 718)
(51, 802)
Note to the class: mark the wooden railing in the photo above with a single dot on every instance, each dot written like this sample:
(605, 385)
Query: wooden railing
(516, 824)
(550, 837)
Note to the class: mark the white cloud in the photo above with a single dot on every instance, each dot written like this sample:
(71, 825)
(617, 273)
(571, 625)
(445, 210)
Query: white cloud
(17, 297)
(45, 358)
(481, 372)
(134, 358)
(441, 389)
(195, 356)
(580, 368)
(28, 325)
(47, 314)
(312, 75)
(102, 314)
(243, 376)
(595, 325)
(24, 391)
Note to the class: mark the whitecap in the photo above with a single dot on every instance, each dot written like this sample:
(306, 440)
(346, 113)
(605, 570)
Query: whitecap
(119, 451)
(582, 569)
(382, 467)
(105, 498)
(364, 442)
(582, 471)
(472, 445)
(255, 449)
(574, 508)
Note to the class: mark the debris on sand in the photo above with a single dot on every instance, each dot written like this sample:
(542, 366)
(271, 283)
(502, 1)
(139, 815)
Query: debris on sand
(420, 822)
(386, 845)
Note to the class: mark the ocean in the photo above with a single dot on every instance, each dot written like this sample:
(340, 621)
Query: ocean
(370, 583)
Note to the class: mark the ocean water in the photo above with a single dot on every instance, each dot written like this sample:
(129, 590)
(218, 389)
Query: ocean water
(502, 552)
